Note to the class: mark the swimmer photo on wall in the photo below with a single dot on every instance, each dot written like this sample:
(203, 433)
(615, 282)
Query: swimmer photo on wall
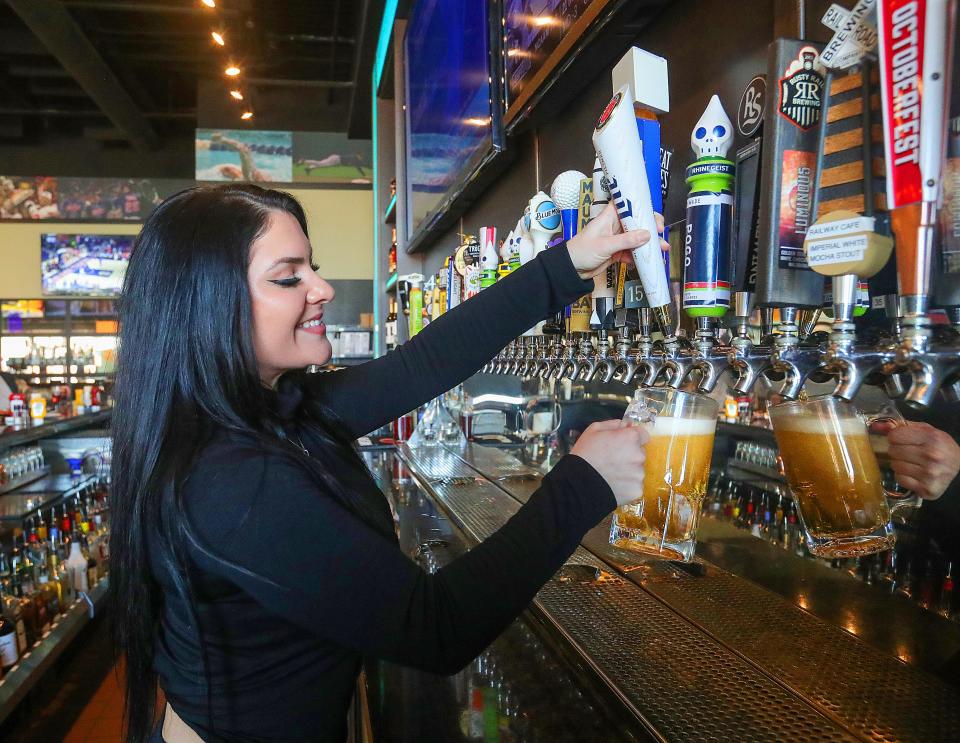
(244, 155)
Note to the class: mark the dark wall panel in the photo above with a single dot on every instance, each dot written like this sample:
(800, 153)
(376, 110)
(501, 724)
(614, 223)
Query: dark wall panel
(712, 46)
(353, 297)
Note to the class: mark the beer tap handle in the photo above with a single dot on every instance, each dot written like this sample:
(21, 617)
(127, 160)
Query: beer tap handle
(620, 151)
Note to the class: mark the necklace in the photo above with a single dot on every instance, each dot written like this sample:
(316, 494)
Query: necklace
(299, 443)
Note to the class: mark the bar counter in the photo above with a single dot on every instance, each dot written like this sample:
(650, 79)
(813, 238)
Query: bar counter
(747, 642)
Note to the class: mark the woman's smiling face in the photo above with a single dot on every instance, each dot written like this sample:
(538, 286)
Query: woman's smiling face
(288, 299)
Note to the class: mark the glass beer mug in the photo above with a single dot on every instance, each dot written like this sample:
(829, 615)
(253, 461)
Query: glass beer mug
(832, 471)
(663, 521)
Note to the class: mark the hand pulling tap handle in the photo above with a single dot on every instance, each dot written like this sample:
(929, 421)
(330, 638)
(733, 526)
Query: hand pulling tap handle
(620, 150)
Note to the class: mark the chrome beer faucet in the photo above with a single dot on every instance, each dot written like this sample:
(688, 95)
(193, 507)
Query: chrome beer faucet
(569, 362)
(678, 359)
(601, 368)
(843, 359)
(710, 358)
(789, 358)
(649, 360)
(745, 359)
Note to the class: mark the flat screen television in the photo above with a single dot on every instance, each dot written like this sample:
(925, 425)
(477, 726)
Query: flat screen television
(84, 265)
(539, 36)
(454, 106)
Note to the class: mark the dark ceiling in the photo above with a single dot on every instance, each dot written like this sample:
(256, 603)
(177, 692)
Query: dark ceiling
(129, 71)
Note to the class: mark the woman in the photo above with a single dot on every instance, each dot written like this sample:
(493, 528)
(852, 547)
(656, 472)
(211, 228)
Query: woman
(253, 558)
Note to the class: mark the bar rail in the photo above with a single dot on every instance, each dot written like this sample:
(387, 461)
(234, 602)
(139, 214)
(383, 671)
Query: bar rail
(693, 651)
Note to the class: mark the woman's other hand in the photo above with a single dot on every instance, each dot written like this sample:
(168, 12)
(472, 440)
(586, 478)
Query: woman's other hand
(603, 242)
(925, 459)
(617, 452)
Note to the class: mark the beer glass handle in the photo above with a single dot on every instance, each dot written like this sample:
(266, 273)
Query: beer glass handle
(896, 499)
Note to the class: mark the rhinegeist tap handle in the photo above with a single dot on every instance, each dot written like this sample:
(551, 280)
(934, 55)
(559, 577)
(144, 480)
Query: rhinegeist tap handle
(706, 247)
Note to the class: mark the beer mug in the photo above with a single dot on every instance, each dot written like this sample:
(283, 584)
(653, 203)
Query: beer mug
(832, 471)
(663, 521)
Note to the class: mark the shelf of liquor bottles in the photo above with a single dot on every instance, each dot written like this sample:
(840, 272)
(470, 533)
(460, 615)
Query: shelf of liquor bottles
(58, 341)
(54, 542)
(31, 667)
(11, 436)
(8, 484)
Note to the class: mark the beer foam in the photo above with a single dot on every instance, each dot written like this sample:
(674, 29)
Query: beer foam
(666, 426)
(846, 427)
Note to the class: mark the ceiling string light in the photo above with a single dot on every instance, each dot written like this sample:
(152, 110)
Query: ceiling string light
(232, 70)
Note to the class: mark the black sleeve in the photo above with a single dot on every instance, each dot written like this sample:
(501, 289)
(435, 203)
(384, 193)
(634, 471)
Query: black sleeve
(338, 579)
(452, 347)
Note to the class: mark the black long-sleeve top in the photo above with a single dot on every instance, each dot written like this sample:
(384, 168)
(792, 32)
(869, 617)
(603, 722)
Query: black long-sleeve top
(292, 589)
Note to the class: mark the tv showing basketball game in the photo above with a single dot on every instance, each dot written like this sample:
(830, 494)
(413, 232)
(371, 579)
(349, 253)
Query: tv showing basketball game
(84, 265)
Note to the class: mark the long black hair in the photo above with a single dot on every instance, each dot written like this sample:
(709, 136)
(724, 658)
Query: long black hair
(186, 368)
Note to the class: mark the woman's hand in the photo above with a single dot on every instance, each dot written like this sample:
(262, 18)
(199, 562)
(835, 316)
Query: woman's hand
(617, 451)
(603, 242)
(925, 459)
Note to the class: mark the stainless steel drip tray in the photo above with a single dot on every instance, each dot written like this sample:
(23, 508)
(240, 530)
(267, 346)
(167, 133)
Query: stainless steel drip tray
(679, 683)
(874, 695)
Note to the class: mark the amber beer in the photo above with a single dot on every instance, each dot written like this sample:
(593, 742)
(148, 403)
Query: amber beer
(663, 521)
(832, 470)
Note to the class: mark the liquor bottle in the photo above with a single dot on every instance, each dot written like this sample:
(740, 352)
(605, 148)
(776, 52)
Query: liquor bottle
(28, 613)
(10, 608)
(9, 654)
(390, 327)
(44, 617)
(16, 555)
(778, 527)
(50, 594)
(53, 527)
(66, 526)
(945, 605)
(392, 256)
(41, 527)
(927, 584)
(77, 568)
(67, 592)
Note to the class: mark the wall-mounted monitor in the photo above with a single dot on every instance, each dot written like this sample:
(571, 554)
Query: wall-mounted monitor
(539, 37)
(84, 265)
(454, 109)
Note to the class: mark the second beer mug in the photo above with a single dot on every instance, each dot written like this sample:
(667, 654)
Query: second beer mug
(663, 521)
(834, 477)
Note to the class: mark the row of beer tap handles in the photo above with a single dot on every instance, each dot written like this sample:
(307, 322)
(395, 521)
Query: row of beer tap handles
(638, 345)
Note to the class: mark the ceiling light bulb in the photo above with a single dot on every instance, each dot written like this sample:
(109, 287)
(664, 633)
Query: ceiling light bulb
(246, 115)
(237, 95)
(218, 37)
(232, 71)
(209, 3)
